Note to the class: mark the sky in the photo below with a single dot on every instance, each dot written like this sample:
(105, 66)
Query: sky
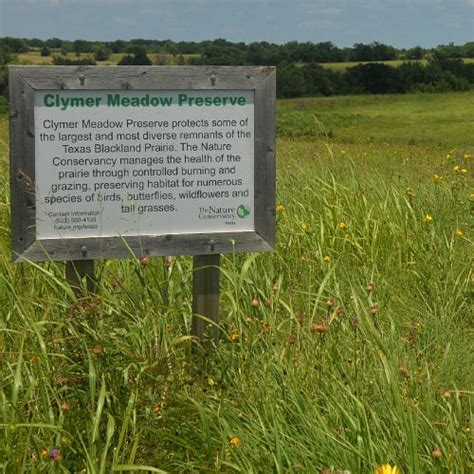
(400, 23)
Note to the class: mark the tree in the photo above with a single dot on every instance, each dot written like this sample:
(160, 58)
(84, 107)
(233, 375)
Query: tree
(45, 51)
(139, 58)
(290, 81)
(102, 54)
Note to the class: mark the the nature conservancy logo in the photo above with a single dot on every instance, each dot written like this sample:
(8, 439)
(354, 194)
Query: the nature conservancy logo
(227, 213)
(243, 211)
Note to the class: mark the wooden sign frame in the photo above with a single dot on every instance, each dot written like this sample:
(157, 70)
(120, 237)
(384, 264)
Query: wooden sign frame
(25, 81)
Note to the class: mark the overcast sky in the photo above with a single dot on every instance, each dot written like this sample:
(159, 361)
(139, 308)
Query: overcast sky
(401, 23)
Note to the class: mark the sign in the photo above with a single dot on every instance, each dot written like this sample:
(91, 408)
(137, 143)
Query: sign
(109, 161)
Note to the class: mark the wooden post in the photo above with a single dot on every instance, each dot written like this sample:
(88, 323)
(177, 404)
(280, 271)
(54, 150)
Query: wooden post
(76, 270)
(206, 279)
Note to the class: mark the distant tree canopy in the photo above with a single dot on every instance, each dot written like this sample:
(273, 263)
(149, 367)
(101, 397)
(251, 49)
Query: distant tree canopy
(299, 69)
(258, 53)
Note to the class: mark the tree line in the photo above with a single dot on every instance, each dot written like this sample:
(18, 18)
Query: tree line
(256, 53)
(299, 70)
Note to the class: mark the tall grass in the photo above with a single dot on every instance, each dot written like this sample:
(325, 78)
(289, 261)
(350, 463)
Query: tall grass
(346, 348)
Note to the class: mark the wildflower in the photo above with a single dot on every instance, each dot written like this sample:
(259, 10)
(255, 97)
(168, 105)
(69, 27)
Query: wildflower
(280, 208)
(459, 233)
(330, 302)
(234, 441)
(157, 410)
(305, 227)
(255, 302)
(97, 349)
(44, 453)
(467, 156)
(144, 260)
(373, 310)
(471, 197)
(319, 328)
(437, 178)
(447, 393)
(291, 339)
(210, 382)
(404, 370)
(456, 169)
(233, 336)
(55, 455)
(327, 258)
(427, 218)
(409, 192)
(65, 406)
(436, 453)
(264, 325)
(463, 171)
(341, 226)
(339, 309)
(34, 358)
(387, 469)
(370, 287)
(343, 152)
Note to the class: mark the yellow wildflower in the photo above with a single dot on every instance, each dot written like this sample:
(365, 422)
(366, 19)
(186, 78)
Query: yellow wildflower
(463, 171)
(233, 336)
(305, 227)
(456, 169)
(341, 226)
(264, 325)
(409, 192)
(44, 453)
(459, 233)
(387, 469)
(471, 197)
(467, 156)
(234, 441)
(427, 218)
(280, 208)
(327, 258)
(437, 178)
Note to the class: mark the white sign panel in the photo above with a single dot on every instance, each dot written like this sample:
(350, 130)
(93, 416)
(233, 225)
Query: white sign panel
(131, 163)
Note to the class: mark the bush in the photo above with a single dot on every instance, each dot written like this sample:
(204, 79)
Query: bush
(139, 58)
(62, 61)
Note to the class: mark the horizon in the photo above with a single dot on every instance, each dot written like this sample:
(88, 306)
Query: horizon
(104, 41)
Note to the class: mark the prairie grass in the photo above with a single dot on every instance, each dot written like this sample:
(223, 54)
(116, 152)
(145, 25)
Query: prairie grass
(348, 347)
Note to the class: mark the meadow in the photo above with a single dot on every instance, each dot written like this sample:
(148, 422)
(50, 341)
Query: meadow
(347, 348)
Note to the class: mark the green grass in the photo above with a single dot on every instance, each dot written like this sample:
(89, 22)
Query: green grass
(35, 58)
(420, 119)
(322, 369)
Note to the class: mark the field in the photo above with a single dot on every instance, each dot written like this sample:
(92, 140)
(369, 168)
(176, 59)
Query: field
(348, 347)
(35, 58)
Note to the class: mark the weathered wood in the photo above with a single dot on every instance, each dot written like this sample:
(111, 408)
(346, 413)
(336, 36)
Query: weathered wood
(152, 245)
(206, 282)
(265, 169)
(22, 164)
(143, 77)
(76, 272)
